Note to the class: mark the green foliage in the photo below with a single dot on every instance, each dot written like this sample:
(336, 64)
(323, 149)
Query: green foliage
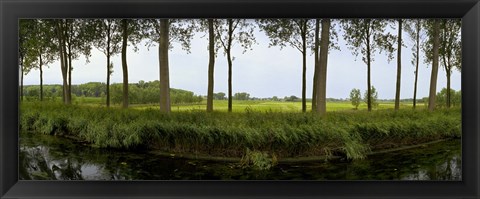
(373, 97)
(450, 42)
(283, 32)
(241, 32)
(180, 31)
(450, 50)
(455, 97)
(140, 93)
(219, 96)
(135, 31)
(292, 98)
(406, 126)
(355, 97)
(359, 31)
(36, 43)
(90, 89)
(258, 160)
(78, 35)
(106, 35)
(441, 98)
(178, 96)
(241, 96)
(413, 27)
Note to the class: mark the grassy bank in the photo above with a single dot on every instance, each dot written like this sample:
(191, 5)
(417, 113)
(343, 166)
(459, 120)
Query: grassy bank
(273, 133)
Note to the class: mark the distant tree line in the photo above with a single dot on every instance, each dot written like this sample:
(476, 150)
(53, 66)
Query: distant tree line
(441, 98)
(139, 93)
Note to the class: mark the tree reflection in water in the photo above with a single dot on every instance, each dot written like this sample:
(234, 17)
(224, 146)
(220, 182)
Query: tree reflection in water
(38, 164)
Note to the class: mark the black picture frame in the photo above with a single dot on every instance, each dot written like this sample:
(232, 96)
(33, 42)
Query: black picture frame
(12, 10)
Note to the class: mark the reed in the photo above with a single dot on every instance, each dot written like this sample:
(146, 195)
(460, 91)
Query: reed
(352, 134)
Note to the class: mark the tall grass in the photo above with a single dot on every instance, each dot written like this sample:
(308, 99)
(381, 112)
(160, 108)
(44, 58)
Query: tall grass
(278, 134)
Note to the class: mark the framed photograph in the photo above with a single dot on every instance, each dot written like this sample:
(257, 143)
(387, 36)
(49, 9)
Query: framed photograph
(239, 99)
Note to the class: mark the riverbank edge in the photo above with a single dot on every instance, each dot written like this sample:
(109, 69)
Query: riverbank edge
(290, 160)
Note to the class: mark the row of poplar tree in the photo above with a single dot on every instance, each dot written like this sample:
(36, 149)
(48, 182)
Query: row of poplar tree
(42, 41)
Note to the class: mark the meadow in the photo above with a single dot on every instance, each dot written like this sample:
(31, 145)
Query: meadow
(242, 105)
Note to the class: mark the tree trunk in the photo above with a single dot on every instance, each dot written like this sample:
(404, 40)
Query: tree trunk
(64, 86)
(433, 79)
(323, 62)
(316, 70)
(304, 73)
(164, 73)
(369, 87)
(41, 77)
(63, 59)
(108, 68)
(399, 65)
(229, 59)
(21, 79)
(124, 63)
(108, 81)
(60, 47)
(447, 70)
(211, 64)
(449, 102)
(416, 65)
(314, 91)
(446, 58)
(70, 68)
(69, 63)
(448, 65)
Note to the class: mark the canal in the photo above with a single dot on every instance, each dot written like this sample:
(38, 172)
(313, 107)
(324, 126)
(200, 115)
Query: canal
(44, 157)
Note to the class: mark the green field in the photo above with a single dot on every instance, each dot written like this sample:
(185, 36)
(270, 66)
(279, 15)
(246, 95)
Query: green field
(241, 106)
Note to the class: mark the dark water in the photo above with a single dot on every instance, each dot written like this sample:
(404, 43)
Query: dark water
(52, 158)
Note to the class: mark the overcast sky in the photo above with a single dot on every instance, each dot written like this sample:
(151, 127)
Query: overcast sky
(262, 72)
